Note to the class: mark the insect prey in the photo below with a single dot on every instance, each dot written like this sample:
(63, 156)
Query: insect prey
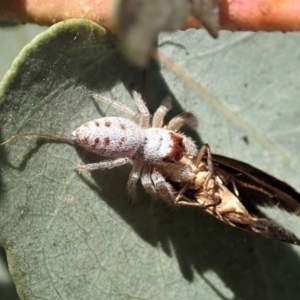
(232, 191)
(170, 167)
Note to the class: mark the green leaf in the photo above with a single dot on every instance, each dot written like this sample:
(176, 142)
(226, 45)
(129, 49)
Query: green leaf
(13, 38)
(75, 236)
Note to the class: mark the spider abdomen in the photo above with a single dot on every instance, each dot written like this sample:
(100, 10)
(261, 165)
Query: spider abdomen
(110, 136)
(161, 145)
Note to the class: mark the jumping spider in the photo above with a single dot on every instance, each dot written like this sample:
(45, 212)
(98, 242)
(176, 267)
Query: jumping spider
(151, 146)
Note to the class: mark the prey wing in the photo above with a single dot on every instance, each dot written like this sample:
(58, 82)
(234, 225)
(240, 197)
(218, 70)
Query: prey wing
(255, 187)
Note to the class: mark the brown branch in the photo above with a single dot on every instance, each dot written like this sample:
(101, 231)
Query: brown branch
(53, 11)
(256, 15)
(253, 15)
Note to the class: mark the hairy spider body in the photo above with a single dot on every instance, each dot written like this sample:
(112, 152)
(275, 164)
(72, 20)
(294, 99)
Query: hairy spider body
(99, 136)
(119, 137)
(149, 148)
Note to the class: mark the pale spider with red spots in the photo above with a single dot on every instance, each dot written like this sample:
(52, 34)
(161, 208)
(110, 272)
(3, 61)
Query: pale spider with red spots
(150, 148)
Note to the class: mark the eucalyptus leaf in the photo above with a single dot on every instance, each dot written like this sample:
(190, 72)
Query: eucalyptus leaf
(71, 235)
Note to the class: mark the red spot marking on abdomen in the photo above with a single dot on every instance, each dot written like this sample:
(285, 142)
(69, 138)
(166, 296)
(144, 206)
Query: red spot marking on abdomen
(107, 124)
(85, 141)
(106, 141)
(122, 126)
(122, 140)
(177, 150)
(96, 140)
(97, 123)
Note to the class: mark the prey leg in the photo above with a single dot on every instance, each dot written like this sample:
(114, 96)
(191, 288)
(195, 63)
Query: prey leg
(204, 149)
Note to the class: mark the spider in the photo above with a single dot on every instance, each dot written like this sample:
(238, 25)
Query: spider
(150, 146)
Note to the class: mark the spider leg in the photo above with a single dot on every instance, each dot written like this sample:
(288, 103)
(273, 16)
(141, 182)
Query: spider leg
(160, 113)
(105, 164)
(189, 145)
(115, 104)
(144, 114)
(185, 118)
(164, 189)
(132, 180)
(147, 182)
